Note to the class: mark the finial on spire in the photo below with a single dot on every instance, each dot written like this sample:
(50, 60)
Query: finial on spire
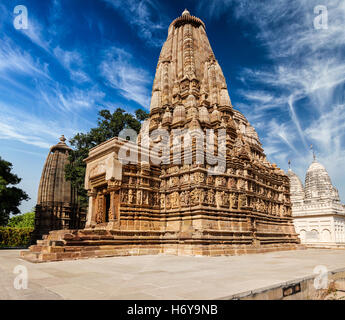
(185, 13)
(62, 139)
(289, 164)
(311, 148)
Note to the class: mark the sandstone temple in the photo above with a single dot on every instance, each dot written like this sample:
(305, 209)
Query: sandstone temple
(208, 188)
(319, 216)
(57, 203)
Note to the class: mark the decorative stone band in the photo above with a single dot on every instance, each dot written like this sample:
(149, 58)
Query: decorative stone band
(187, 19)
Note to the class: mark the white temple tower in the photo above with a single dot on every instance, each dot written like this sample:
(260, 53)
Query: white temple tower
(319, 216)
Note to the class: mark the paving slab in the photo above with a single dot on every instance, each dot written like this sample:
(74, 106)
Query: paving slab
(163, 276)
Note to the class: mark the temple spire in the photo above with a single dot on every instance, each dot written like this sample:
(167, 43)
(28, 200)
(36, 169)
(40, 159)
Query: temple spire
(185, 13)
(314, 156)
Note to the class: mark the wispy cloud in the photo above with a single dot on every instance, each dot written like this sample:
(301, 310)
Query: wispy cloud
(304, 82)
(145, 17)
(31, 130)
(120, 72)
(73, 62)
(35, 33)
(15, 60)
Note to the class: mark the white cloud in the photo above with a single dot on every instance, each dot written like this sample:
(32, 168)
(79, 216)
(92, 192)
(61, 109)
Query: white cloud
(35, 33)
(120, 73)
(30, 129)
(305, 80)
(15, 60)
(145, 16)
(73, 62)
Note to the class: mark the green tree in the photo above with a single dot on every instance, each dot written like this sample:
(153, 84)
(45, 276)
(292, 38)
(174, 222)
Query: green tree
(109, 125)
(26, 220)
(10, 196)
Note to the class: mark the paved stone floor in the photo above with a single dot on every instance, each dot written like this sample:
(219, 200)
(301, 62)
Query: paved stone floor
(161, 277)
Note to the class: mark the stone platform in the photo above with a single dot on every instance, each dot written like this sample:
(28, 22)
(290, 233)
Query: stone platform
(62, 245)
(166, 277)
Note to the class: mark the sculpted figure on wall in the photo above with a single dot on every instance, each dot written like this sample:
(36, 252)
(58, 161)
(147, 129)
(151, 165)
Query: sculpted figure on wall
(183, 199)
(187, 199)
(186, 178)
(124, 196)
(281, 197)
(175, 200)
(219, 198)
(210, 197)
(261, 206)
(130, 196)
(111, 209)
(185, 167)
(210, 180)
(231, 171)
(99, 213)
(233, 200)
(145, 198)
(220, 181)
(168, 201)
(172, 170)
(162, 200)
(174, 181)
(240, 184)
(242, 201)
(196, 196)
(269, 208)
(156, 199)
(199, 177)
(139, 196)
(231, 182)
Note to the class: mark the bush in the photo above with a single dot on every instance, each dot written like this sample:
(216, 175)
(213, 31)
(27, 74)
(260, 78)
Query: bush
(15, 237)
(26, 220)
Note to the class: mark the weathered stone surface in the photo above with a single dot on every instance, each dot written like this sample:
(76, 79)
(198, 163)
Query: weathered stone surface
(192, 206)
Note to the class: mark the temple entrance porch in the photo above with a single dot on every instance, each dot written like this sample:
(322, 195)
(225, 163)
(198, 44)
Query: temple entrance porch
(105, 210)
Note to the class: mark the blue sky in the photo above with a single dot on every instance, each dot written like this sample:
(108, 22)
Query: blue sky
(80, 56)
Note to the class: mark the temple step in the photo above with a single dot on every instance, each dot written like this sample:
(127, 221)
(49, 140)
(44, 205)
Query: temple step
(30, 256)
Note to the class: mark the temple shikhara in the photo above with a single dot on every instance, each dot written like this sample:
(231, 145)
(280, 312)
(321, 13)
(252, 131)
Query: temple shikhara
(57, 206)
(207, 190)
(319, 216)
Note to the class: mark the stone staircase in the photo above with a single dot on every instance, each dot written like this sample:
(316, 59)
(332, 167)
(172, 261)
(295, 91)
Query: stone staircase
(78, 244)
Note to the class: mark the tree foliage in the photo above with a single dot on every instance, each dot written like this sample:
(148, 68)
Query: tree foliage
(10, 196)
(26, 220)
(15, 237)
(109, 125)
